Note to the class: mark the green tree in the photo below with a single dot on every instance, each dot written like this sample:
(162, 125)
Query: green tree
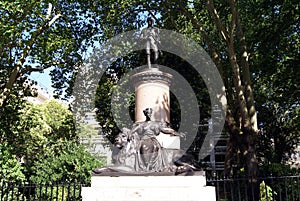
(63, 162)
(278, 114)
(275, 39)
(106, 88)
(36, 35)
(11, 169)
(38, 126)
(45, 140)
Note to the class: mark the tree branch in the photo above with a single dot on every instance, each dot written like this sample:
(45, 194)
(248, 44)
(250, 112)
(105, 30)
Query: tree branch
(152, 15)
(233, 20)
(245, 68)
(13, 77)
(214, 55)
(229, 39)
(214, 14)
(30, 69)
(238, 86)
(54, 19)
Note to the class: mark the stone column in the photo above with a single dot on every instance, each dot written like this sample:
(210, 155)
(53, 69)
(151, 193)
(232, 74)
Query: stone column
(152, 91)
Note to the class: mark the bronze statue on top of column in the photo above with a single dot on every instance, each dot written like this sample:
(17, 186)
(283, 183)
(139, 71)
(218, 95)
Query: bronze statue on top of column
(150, 35)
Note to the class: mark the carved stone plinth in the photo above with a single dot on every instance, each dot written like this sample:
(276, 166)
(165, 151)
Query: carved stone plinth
(169, 142)
(152, 91)
(162, 188)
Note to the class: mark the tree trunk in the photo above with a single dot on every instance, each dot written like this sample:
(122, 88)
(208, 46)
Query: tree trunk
(241, 154)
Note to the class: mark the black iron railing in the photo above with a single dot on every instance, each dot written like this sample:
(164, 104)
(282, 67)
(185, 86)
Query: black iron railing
(270, 188)
(43, 192)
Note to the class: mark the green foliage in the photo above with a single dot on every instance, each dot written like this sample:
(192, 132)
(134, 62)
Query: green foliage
(86, 130)
(103, 104)
(10, 167)
(10, 115)
(44, 139)
(36, 35)
(279, 114)
(38, 126)
(275, 60)
(107, 87)
(51, 192)
(278, 169)
(89, 138)
(65, 161)
(60, 119)
(266, 192)
(53, 154)
(9, 193)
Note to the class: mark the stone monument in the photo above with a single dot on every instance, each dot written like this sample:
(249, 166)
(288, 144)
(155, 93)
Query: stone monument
(150, 163)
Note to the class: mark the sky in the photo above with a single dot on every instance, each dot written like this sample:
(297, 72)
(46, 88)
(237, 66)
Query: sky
(43, 79)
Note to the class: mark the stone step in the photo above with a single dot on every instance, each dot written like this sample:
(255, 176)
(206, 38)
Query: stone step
(162, 188)
(147, 181)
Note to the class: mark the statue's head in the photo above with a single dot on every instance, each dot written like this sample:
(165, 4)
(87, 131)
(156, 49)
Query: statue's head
(150, 21)
(122, 139)
(148, 112)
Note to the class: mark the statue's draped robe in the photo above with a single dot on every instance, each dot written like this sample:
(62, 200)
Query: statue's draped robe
(144, 153)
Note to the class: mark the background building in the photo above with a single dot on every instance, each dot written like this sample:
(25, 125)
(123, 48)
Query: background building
(42, 95)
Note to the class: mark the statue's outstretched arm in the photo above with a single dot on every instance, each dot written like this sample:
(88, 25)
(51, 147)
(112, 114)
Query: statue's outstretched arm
(171, 131)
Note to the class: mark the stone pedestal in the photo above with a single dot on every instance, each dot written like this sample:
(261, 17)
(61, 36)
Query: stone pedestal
(168, 142)
(152, 91)
(162, 188)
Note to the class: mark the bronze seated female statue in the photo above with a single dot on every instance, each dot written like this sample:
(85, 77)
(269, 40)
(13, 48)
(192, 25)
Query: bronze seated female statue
(141, 152)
